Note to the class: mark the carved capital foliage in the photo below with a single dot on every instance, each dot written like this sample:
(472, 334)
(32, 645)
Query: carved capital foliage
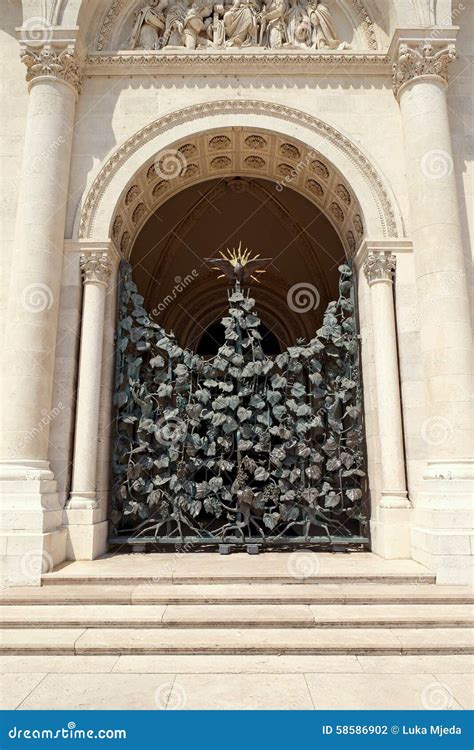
(61, 62)
(423, 59)
(95, 267)
(380, 267)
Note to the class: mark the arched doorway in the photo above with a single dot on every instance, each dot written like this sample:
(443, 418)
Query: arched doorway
(334, 177)
(208, 450)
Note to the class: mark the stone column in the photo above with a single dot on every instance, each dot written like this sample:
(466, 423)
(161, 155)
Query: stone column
(442, 536)
(86, 527)
(96, 270)
(390, 517)
(30, 501)
(420, 84)
(379, 269)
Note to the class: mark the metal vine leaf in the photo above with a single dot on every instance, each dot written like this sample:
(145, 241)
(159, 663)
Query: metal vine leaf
(240, 447)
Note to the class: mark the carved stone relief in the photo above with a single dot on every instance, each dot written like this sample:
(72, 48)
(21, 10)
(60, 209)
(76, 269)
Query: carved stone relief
(198, 24)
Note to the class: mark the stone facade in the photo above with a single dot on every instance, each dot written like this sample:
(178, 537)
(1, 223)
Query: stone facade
(378, 90)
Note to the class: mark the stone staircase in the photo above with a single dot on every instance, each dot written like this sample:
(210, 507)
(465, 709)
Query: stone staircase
(274, 603)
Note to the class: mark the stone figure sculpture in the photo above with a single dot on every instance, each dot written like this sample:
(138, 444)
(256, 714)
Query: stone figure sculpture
(197, 24)
(323, 31)
(240, 24)
(298, 25)
(149, 25)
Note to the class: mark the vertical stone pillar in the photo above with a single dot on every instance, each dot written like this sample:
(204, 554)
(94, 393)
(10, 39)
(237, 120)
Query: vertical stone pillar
(420, 76)
(420, 83)
(390, 530)
(379, 269)
(31, 519)
(86, 527)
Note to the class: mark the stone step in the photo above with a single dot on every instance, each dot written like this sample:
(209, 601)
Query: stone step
(295, 568)
(307, 593)
(237, 641)
(237, 616)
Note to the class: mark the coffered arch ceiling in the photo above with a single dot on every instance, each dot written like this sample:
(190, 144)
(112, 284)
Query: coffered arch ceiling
(247, 152)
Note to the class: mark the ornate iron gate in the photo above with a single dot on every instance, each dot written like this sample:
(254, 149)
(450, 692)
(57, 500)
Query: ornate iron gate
(240, 448)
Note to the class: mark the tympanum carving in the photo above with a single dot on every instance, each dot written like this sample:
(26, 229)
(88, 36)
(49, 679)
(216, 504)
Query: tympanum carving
(197, 24)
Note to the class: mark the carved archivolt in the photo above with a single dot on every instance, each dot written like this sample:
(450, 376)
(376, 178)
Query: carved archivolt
(203, 23)
(247, 152)
(312, 174)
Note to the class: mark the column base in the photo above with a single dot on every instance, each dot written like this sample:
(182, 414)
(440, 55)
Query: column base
(27, 556)
(32, 538)
(86, 533)
(390, 533)
(82, 501)
(443, 531)
(394, 500)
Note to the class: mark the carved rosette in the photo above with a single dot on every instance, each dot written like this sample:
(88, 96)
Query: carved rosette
(421, 60)
(95, 267)
(62, 63)
(380, 267)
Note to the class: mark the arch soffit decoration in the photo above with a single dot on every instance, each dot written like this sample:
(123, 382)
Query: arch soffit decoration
(248, 152)
(378, 214)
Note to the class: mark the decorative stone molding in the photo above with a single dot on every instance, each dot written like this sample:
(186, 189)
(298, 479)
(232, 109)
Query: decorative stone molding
(95, 267)
(389, 225)
(271, 62)
(52, 61)
(423, 59)
(380, 267)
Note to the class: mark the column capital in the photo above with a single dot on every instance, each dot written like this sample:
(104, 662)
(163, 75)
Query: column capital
(416, 55)
(380, 266)
(51, 52)
(95, 267)
(62, 64)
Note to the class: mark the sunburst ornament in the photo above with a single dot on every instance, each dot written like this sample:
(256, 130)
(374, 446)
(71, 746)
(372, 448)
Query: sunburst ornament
(239, 265)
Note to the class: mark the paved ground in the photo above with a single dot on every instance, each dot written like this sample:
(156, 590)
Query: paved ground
(237, 682)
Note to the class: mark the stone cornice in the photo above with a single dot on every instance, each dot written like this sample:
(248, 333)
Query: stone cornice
(225, 61)
(416, 55)
(95, 267)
